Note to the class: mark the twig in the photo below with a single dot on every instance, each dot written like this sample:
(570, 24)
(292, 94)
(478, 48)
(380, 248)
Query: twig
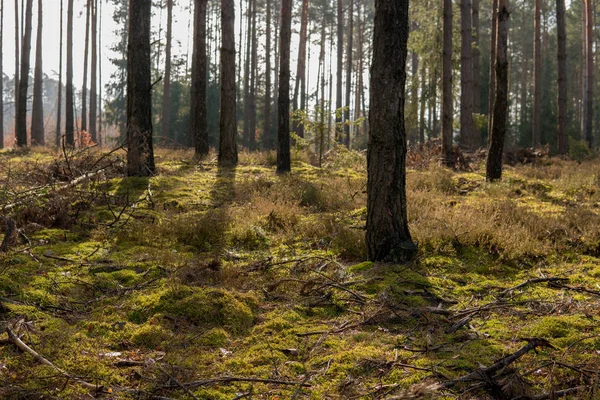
(188, 391)
(229, 379)
(554, 395)
(529, 282)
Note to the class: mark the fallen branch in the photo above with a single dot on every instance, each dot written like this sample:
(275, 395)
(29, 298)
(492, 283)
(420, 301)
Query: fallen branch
(14, 339)
(529, 282)
(575, 288)
(554, 395)
(500, 365)
(230, 379)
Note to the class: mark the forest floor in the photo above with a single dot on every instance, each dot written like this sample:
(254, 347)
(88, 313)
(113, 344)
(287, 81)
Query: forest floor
(228, 284)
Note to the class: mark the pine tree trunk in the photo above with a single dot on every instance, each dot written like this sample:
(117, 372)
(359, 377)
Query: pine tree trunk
(413, 127)
(283, 109)
(492, 79)
(561, 132)
(524, 70)
(1, 74)
(447, 113)
(17, 58)
(21, 128)
(94, 74)
(467, 131)
(423, 102)
(246, 132)
(589, 75)
(253, 83)
(37, 112)
(60, 85)
(199, 124)
(84, 127)
(340, 66)
(301, 66)
(388, 237)
(494, 157)
(267, 105)
(69, 106)
(166, 105)
(140, 153)
(99, 72)
(321, 141)
(537, 75)
(348, 74)
(476, 54)
(227, 119)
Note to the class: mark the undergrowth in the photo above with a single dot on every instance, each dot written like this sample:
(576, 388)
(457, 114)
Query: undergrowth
(220, 284)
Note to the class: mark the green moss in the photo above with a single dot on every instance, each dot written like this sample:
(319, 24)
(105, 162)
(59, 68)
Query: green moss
(215, 337)
(150, 336)
(363, 266)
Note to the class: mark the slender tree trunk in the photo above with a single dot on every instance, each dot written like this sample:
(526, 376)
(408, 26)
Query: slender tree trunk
(447, 112)
(84, 127)
(321, 142)
(524, 71)
(467, 131)
(283, 109)
(492, 80)
(60, 85)
(561, 132)
(434, 126)
(227, 119)
(301, 66)
(589, 75)
(340, 66)
(253, 83)
(348, 74)
(69, 106)
(276, 29)
(330, 97)
(1, 74)
(388, 237)
(199, 124)
(166, 106)
(246, 133)
(413, 108)
(100, 73)
(537, 75)
(267, 105)
(37, 112)
(21, 128)
(17, 58)
(140, 153)
(94, 74)
(423, 102)
(476, 54)
(494, 157)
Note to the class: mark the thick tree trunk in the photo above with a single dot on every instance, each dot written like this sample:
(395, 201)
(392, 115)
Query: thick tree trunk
(94, 74)
(561, 131)
(140, 153)
(283, 109)
(69, 106)
(492, 80)
(494, 157)
(246, 132)
(476, 55)
(199, 124)
(227, 119)
(589, 75)
(84, 127)
(253, 83)
(267, 106)
(21, 127)
(166, 105)
(388, 237)
(37, 112)
(348, 74)
(17, 58)
(537, 75)
(447, 112)
(340, 67)
(467, 131)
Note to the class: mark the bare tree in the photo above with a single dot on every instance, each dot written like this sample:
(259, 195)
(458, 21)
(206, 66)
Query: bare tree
(140, 153)
(388, 237)
(227, 119)
(283, 108)
(37, 112)
(21, 122)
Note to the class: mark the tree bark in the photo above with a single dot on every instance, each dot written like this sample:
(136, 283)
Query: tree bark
(561, 131)
(60, 85)
(492, 80)
(524, 69)
(1, 74)
(199, 124)
(422, 112)
(496, 147)
(227, 120)
(37, 112)
(166, 105)
(447, 112)
(340, 67)
(388, 237)
(69, 107)
(94, 74)
(348, 74)
(537, 75)
(467, 131)
(253, 83)
(589, 75)
(267, 106)
(17, 58)
(283, 108)
(300, 82)
(476, 55)
(84, 127)
(21, 127)
(246, 132)
(140, 153)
